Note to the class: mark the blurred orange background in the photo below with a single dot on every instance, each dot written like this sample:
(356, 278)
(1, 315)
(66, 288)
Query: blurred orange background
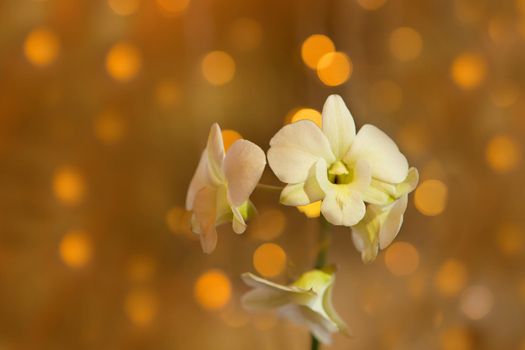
(105, 107)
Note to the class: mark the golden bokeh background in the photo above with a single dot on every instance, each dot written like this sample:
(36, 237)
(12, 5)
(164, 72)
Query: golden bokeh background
(105, 106)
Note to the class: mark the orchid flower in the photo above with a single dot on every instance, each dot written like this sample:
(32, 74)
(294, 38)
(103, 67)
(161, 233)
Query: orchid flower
(306, 301)
(383, 219)
(334, 164)
(220, 189)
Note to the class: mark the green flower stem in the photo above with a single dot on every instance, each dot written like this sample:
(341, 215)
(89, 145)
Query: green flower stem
(320, 262)
(269, 187)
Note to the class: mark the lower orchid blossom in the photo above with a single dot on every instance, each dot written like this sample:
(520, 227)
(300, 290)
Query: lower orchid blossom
(307, 301)
(220, 189)
(384, 218)
(333, 163)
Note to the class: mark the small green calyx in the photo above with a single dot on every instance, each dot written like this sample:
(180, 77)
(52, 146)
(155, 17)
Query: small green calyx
(340, 174)
(247, 210)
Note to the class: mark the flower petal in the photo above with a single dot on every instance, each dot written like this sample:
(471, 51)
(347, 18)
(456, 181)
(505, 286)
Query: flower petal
(305, 192)
(199, 180)
(215, 152)
(374, 146)
(374, 195)
(243, 166)
(205, 213)
(238, 224)
(267, 295)
(363, 243)
(295, 148)
(391, 225)
(343, 204)
(338, 125)
(321, 327)
(330, 310)
(258, 282)
(343, 207)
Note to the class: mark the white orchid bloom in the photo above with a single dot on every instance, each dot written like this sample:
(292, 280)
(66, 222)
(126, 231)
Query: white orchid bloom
(383, 220)
(334, 164)
(220, 189)
(306, 301)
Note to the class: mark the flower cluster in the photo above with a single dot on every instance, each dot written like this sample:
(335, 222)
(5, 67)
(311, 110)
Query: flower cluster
(361, 179)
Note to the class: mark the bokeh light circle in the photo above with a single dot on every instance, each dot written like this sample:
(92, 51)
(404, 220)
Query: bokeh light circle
(218, 67)
(431, 197)
(402, 259)
(68, 185)
(502, 153)
(75, 249)
(468, 70)
(41, 47)
(315, 47)
(476, 302)
(269, 259)
(406, 44)
(123, 61)
(334, 68)
(451, 278)
(212, 290)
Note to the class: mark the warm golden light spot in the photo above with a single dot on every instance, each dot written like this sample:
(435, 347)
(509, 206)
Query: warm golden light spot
(213, 290)
(476, 302)
(469, 11)
(307, 114)
(371, 5)
(456, 338)
(124, 7)
(173, 7)
(468, 70)
(402, 258)
(68, 185)
(229, 137)
(502, 154)
(312, 210)
(141, 269)
(123, 61)
(511, 240)
(141, 306)
(218, 67)
(500, 29)
(109, 127)
(431, 197)
(245, 34)
(41, 47)
(405, 44)
(268, 225)
(412, 139)
(334, 68)
(521, 290)
(75, 249)
(416, 285)
(179, 222)
(438, 319)
(504, 95)
(269, 259)
(315, 47)
(450, 278)
(264, 321)
(387, 96)
(520, 6)
(234, 317)
(168, 94)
